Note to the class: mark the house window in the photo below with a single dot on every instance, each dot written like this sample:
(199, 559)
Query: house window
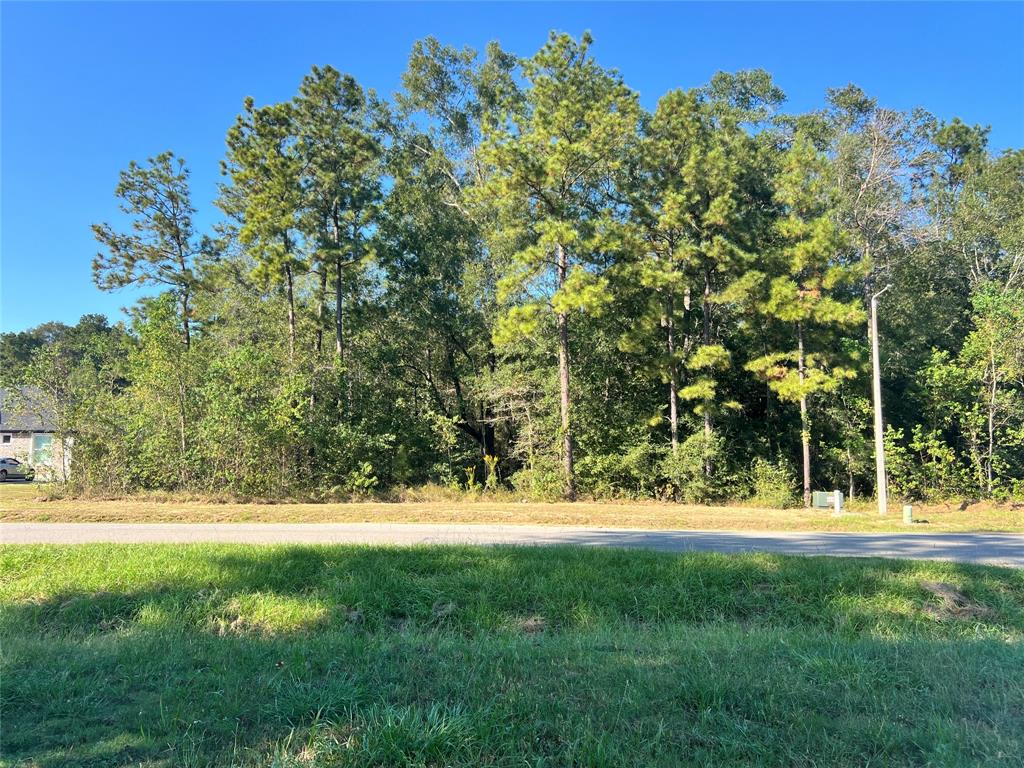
(6, 439)
(41, 448)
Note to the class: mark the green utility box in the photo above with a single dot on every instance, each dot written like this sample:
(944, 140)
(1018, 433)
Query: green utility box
(827, 500)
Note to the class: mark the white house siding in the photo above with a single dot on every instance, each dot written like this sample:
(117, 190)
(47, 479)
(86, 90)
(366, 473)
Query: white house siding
(20, 447)
(24, 418)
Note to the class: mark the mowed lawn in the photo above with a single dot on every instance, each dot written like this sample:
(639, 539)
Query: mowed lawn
(27, 502)
(233, 655)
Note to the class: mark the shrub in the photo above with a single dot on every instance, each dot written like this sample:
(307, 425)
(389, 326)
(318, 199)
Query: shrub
(635, 473)
(543, 481)
(344, 452)
(925, 467)
(361, 482)
(686, 470)
(773, 484)
(491, 466)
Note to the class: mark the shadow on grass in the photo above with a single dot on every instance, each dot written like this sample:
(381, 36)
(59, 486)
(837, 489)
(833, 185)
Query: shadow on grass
(214, 654)
(469, 589)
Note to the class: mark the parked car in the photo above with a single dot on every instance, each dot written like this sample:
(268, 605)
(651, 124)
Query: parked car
(12, 469)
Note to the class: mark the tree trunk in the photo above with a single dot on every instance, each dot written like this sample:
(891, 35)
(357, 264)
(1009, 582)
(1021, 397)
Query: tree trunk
(706, 339)
(320, 302)
(670, 345)
(805, 430)
(487, 423)
(849, 470)
(339, 314)
(290, 290)
(183, 463)
(184, 319)
(563, 381)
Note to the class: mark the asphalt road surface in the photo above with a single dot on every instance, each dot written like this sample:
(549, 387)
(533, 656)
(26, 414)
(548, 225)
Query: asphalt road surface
(989, 548)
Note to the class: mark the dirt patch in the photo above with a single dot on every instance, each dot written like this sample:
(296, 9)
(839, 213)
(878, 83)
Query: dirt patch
(233, 624)
(951, 603)
(533, 625)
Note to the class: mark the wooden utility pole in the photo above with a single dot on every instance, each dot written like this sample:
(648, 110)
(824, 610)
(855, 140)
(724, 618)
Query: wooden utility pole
(881, 481)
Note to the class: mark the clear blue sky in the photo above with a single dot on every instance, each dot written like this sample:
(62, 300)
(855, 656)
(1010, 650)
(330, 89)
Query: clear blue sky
(86, 88)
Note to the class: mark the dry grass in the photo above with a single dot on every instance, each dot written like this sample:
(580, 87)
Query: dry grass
(27, 502)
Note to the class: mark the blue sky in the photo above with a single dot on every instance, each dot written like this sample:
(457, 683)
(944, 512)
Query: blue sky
(87, 88)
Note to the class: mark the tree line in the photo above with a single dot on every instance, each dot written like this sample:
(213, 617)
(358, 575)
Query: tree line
(511, 275)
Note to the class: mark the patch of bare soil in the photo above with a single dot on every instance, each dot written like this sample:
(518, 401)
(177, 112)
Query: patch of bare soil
(951, 603)
(533, 625)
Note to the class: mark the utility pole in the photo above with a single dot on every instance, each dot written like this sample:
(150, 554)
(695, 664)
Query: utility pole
(881, 482)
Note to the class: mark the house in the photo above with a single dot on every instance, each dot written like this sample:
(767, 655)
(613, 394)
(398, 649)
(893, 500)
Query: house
(28, 433)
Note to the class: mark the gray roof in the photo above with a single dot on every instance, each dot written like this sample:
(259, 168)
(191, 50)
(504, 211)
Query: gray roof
(23, 410)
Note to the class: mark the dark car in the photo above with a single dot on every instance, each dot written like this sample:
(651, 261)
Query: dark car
(12, 469)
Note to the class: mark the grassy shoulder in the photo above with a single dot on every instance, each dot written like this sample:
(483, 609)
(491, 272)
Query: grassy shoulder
(459, 656)
(26, 502)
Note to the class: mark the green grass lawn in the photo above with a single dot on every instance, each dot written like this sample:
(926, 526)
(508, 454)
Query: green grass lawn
(454, 656)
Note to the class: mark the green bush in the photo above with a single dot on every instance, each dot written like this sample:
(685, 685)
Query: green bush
(344, 452)
(542, 482)
(361, 481)
(636, 473)
(491, 466)
(686, 470)
(772, 484)
(925, 467)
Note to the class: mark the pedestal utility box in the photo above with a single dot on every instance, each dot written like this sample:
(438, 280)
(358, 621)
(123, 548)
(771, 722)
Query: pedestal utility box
(827, 500)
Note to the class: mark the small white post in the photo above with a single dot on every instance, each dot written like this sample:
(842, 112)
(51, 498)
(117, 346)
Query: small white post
(837, 502)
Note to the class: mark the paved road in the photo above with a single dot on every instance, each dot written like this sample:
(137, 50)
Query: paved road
(990, 548)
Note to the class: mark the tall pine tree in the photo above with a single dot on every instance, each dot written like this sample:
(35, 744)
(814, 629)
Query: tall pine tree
(810, 293)
(550, 165)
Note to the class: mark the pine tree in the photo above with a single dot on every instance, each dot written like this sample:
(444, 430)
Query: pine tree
(340, 147)
(808, 296)
(550, 164)
(162, 248)
(265, 196)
